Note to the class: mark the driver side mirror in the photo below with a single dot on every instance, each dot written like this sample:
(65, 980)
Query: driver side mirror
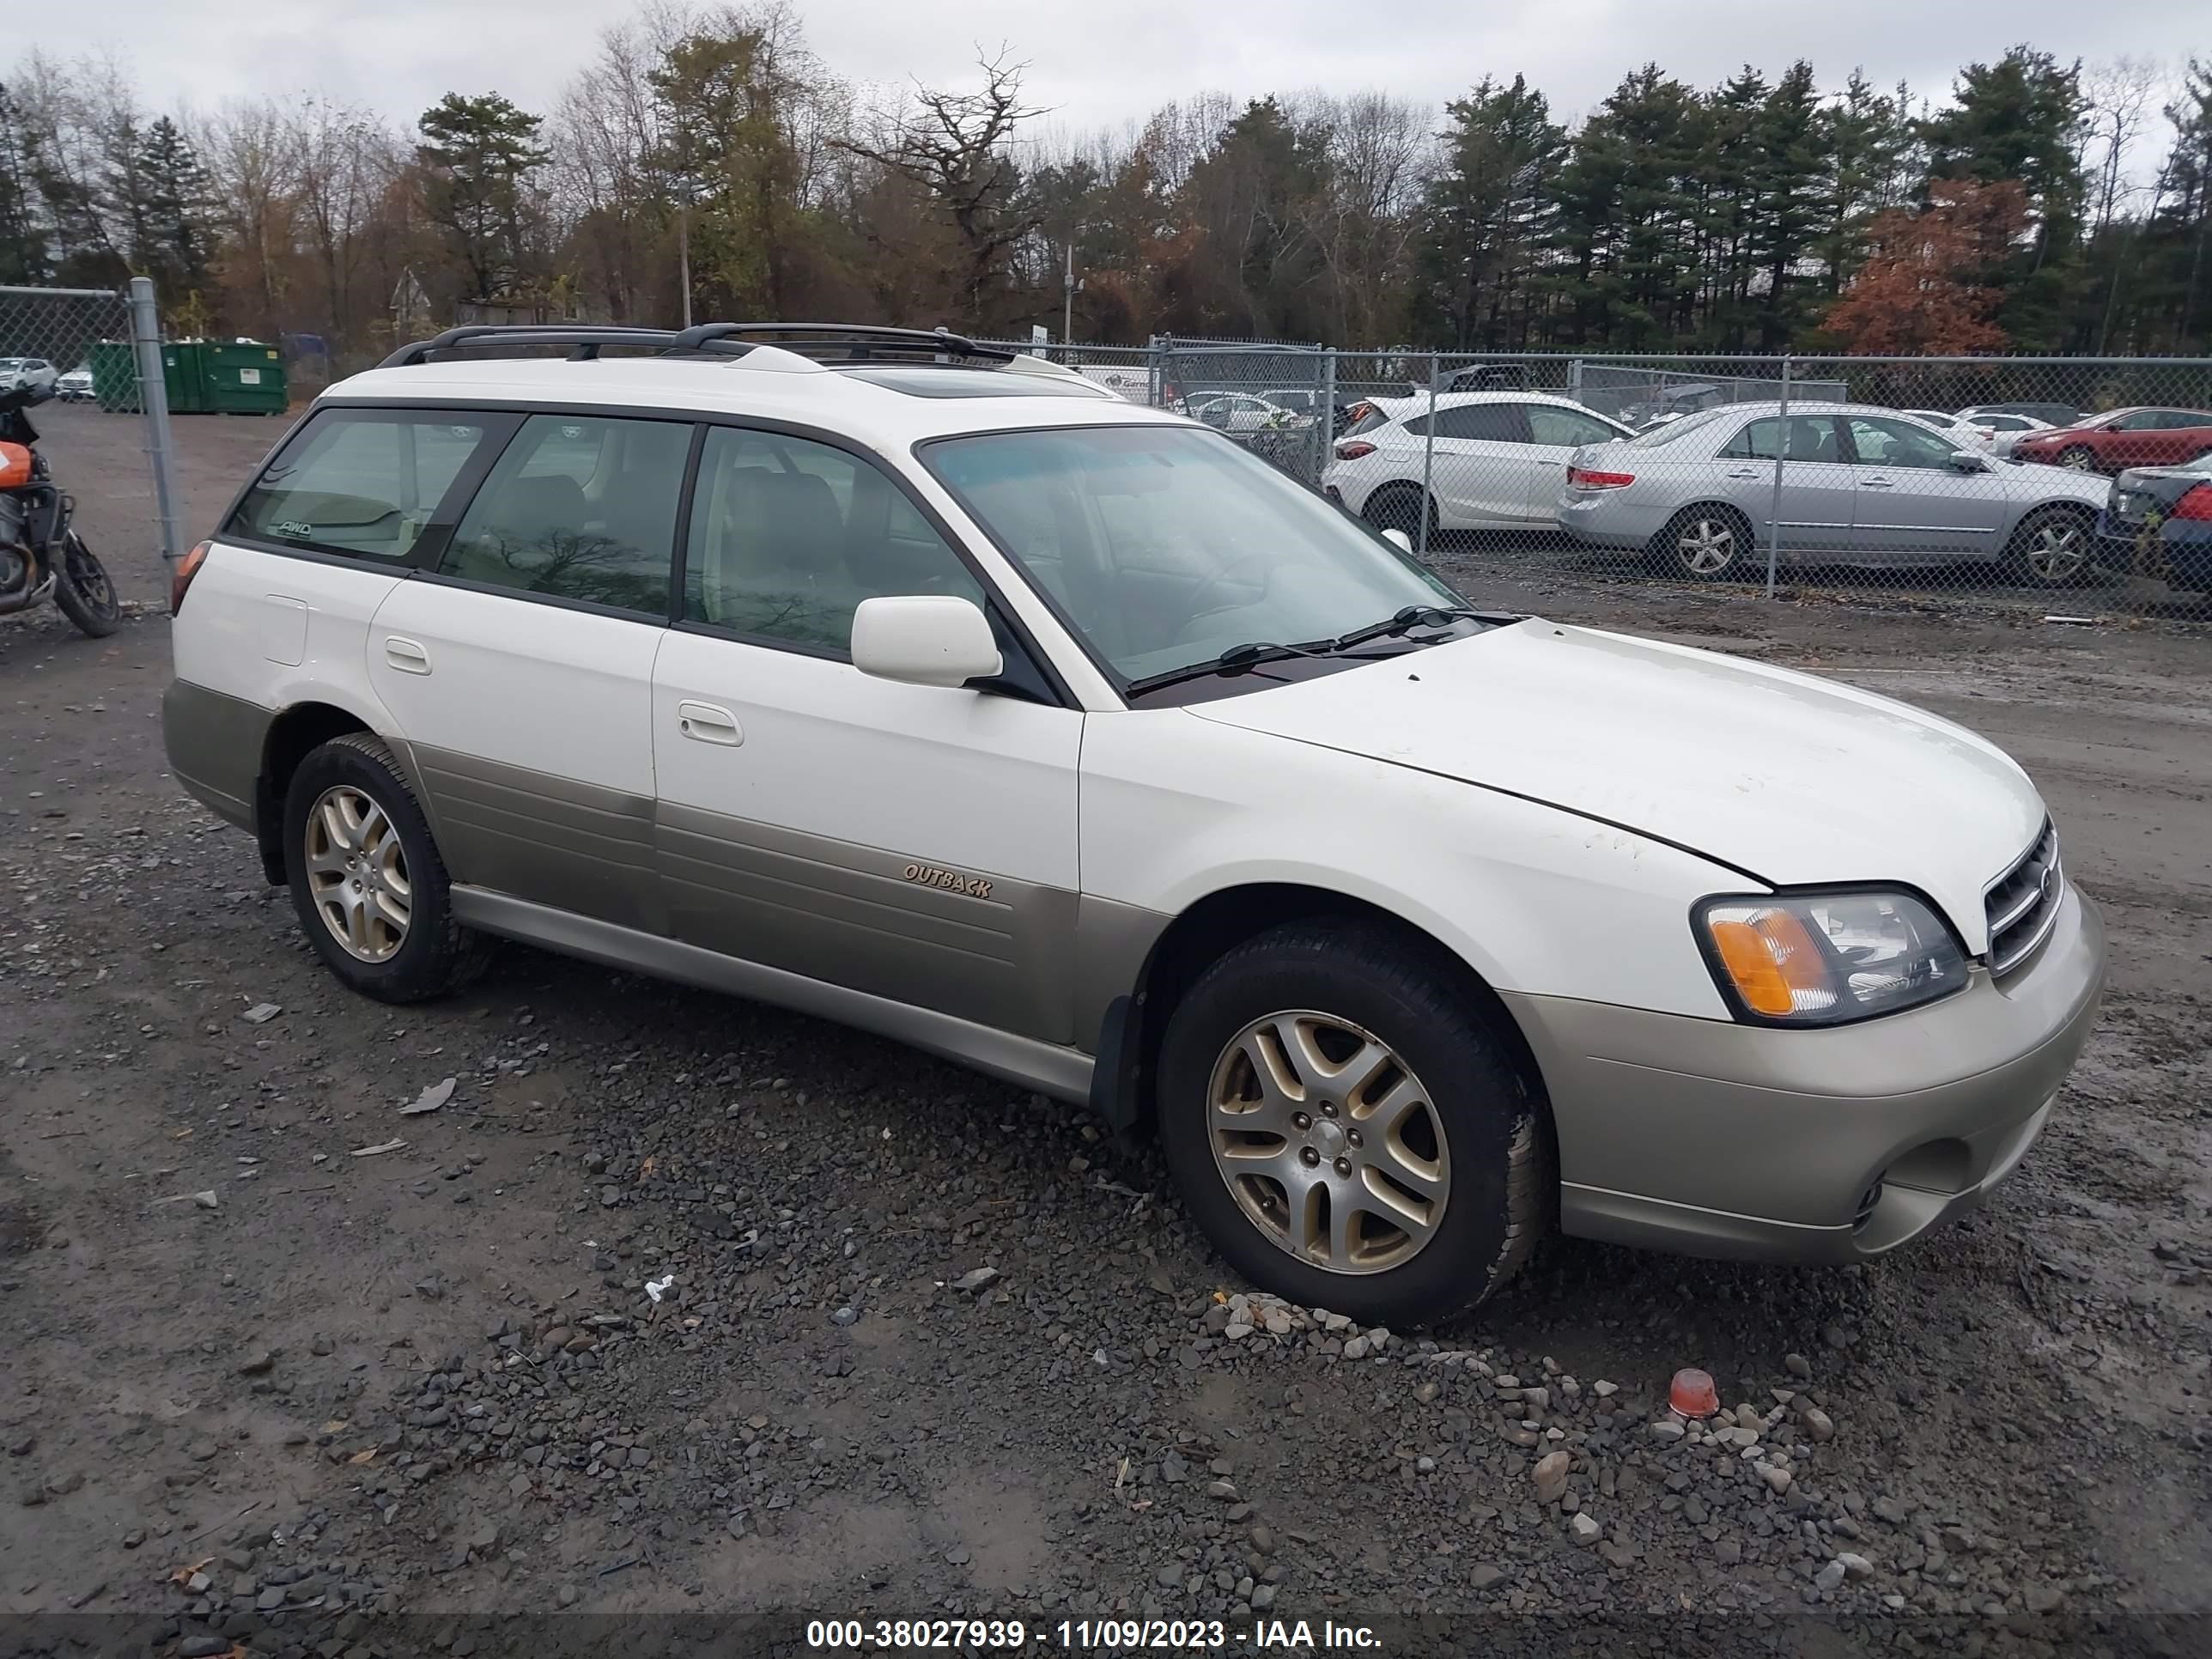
(924, 638)
(1969, 460)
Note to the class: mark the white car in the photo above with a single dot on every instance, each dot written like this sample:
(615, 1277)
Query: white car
(1243, 413)
(2006, 430)
(16, 373)
(966, 704)
(76, 385)
(1500, 460)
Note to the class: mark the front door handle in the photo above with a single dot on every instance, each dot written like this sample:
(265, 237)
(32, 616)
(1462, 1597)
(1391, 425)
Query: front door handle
(1746, 473)
(1875, 483)
(704, 722)
(406, 656)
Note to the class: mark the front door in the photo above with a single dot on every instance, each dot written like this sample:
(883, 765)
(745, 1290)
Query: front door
(1555, 434)
(520, 672)
(1913, 499)
(910, 842)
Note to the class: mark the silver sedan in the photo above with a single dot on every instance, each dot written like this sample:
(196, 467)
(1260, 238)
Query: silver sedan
(1849, 484)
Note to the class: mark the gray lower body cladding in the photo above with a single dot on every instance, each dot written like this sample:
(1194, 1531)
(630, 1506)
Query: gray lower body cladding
(214, 743)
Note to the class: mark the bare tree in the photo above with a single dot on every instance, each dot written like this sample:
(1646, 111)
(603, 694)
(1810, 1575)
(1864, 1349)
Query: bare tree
(957, 147)
(2119, 95)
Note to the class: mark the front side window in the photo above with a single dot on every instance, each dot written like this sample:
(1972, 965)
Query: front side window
(359, 481)
(1567, 428)
(579, 508)
(1895, 443)
(1165, 546)
(788, 536)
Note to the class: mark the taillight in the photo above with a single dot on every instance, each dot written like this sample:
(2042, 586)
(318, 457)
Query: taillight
(2197, 504)
(180, 578)
(1353, 450)
(1581, 478)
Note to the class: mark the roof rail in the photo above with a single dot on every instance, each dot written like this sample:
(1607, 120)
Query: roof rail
(586, 339)
(862, 335)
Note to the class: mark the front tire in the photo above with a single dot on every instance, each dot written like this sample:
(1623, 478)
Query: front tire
(83, 591)
(1707, 543)
(2080, 457)
(1349, 1130)
(367, 879)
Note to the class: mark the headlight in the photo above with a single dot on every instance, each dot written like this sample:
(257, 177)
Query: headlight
(1827, 958)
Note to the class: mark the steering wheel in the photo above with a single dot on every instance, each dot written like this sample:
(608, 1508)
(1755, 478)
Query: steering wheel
(1199, 609)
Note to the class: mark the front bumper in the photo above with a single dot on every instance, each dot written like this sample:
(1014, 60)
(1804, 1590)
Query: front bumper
(1714, 1139)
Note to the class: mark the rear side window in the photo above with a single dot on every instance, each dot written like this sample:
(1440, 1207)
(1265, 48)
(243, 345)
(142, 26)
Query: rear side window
(358, 481)
(1491, 423)
(1812, 438)
(579, 509)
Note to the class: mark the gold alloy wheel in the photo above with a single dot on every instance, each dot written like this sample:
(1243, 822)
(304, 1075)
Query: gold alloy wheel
(357, 874)
(1327, 1142)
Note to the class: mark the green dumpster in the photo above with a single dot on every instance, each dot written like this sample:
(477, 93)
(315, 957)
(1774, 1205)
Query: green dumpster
(242, 377)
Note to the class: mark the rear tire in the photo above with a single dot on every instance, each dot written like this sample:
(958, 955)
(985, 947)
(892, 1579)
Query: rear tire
(1708, 543)
(83, 591)
(367, 879)
(1438, 1212)
(2052, 547)
(1399, 507)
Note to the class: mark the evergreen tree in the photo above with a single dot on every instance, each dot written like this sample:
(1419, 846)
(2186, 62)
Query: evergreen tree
(176, 201)
(479, 155)
(23, 252)
(1488, 212)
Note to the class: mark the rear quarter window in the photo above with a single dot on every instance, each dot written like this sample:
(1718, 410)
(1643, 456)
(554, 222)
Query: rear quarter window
(362, 482)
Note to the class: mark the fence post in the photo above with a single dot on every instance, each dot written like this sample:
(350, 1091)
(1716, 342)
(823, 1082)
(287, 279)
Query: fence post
(1428, 460)
(1325, 416)
(154, 401)
(1774, 508)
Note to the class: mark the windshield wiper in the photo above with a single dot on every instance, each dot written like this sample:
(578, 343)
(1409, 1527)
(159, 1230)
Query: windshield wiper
(1404, 621)
(1235, 660)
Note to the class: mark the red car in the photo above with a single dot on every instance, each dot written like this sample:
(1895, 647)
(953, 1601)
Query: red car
(2123, 437)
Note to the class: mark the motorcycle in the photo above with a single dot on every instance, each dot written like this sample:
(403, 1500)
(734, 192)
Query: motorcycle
(41, 555)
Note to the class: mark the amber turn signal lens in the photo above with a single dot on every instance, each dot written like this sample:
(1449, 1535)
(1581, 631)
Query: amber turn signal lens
(1770, 959)
(181, 577)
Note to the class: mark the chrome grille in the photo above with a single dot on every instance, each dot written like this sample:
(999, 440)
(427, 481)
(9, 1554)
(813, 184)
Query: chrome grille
(2022, 907)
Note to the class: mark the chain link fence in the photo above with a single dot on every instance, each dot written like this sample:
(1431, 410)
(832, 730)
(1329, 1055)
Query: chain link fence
(2069, 486)
(95, 350)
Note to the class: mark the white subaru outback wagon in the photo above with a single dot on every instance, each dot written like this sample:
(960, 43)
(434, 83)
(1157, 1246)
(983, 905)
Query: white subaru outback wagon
(940, 692)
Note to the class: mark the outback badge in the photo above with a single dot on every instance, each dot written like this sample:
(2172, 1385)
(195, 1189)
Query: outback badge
(928, 875)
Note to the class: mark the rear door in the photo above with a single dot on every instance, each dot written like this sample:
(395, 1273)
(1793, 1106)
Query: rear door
(2182, 435)
(1912, 499)
(520, 672)
(1814, 501)
(1555, 434)
(1485, 470)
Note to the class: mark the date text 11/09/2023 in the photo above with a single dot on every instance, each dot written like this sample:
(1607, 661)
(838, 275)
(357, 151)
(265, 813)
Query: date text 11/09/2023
(1285, 1635)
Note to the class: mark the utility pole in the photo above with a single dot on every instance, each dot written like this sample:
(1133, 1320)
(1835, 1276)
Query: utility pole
(683, 253)
(1067, 296)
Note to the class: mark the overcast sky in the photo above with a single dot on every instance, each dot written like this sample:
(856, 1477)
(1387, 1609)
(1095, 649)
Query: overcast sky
(1104, 62)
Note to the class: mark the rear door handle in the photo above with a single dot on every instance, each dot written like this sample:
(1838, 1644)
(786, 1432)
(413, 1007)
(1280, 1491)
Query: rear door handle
(1875, 483)
(406, 656)
(1745, 472)
(703, 722)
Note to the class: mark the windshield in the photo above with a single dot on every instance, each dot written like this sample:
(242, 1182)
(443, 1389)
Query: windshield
(1166, 546)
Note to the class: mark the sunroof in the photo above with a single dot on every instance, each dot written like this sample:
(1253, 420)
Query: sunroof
(928, 380)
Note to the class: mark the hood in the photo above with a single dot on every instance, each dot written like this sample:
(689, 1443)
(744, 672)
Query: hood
(1795, 781)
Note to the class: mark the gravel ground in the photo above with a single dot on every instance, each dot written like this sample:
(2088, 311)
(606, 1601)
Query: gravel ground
(676, 1304)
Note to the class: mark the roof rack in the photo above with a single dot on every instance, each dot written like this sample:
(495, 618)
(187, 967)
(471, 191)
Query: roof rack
(862, 337)
(862, 341)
